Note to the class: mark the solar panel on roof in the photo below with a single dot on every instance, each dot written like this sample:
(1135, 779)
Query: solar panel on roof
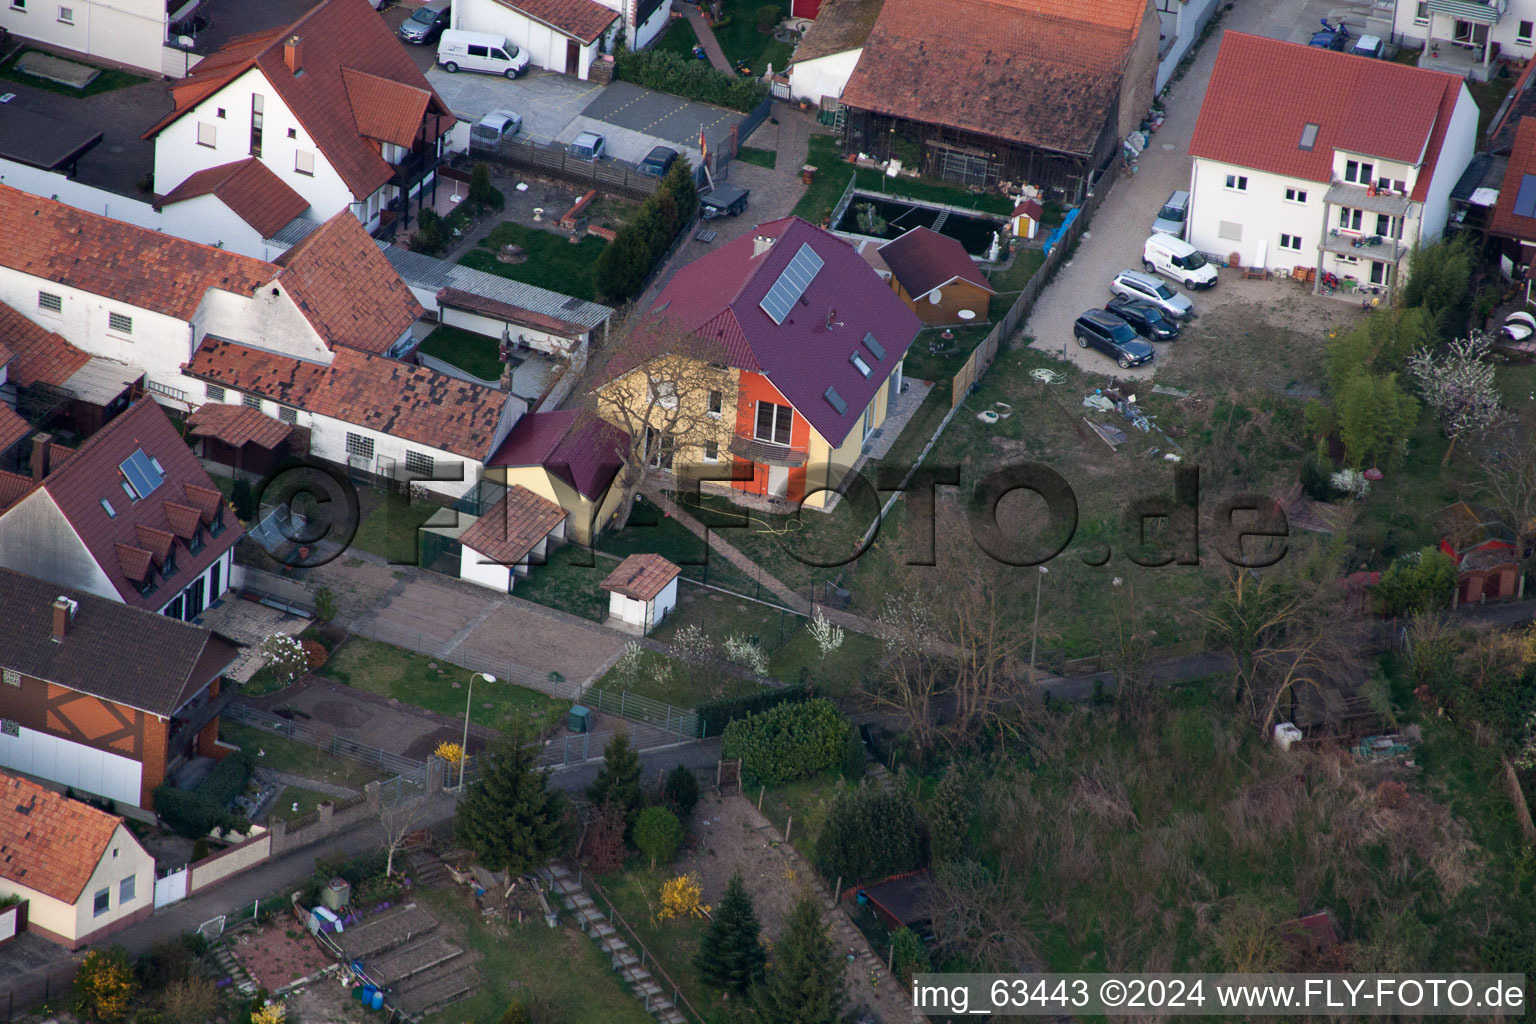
(835, 400)
(792, 283)
(1525, 199)
(142, 474)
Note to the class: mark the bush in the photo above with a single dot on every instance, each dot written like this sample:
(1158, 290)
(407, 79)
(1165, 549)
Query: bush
(1315, 471)
(692, 79)
(681, 790)
(325, 604)
(853, 755)
(228, 779)
(768, 15)
(243, 497)
(1422, 581)
(190, 1001)
(788, 742)
(717, 714)
(200, 848)
(870, 834)
(908, 957)
(658, 834)
(481, 192)
(431, 237)
(104, 985)
(190, 815)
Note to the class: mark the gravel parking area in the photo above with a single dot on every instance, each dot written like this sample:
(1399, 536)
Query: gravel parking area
(1121, 225)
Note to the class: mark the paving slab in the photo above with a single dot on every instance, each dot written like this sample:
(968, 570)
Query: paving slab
(57, 69)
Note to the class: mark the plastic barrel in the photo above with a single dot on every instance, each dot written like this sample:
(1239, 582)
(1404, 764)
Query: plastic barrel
(378, 1000)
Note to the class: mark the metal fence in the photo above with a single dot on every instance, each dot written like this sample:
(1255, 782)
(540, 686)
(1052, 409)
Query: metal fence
(556, 753)
(19, 993)
(676, 721)
(616, 176)
(324, 739)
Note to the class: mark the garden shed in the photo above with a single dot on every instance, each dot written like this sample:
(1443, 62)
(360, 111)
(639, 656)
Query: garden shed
(902, 901)
(642, 591)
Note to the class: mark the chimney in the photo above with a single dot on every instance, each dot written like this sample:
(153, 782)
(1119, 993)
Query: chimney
(63, 615)
(40, 443)
(293, 53)
(761, 244)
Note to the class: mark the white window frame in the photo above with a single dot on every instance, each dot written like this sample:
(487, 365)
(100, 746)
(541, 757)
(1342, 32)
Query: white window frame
(773, 427)
(662, 393)
(1290, 243)
(1296, 195)
(1524, 32)
(1350, 218)
(358, 445)
(301, 158)
(19, 5)
(1421, 13)
(50, 302)
(287, 414)
(251, 401)
(12, 677)
(97, 907)
(1237, 183)
(716, 404)
(119, 323)
(66, 15)
(127, 889)
(707, 456)
(1363, 173)
(207, 135)
(214, 392)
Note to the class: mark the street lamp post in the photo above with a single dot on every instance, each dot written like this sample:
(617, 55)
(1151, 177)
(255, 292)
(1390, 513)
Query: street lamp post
(1035, 635)
(469, 701)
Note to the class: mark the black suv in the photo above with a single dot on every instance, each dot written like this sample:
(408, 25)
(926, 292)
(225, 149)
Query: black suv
(1112, 336)
(1149, 321)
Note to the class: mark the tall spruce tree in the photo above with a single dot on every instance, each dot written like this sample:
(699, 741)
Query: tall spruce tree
(618, 782)
(805, 983)
(731, 954)
(509, 818)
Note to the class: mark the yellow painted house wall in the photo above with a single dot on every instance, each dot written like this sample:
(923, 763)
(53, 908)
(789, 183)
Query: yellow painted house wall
(579, 528)
(844, 455)
(695, 411)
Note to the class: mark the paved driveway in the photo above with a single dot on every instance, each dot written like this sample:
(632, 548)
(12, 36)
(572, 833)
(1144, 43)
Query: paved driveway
(547, 101)
(1121, 225)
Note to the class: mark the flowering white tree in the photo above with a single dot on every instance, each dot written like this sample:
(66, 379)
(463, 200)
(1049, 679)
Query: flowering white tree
(1458, 383)
(284, 655)
(746, 653)
(827, 636)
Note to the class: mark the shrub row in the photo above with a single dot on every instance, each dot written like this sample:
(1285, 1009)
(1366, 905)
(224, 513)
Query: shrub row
(624, 265)
(869, 835)
(693, 79)
(194, 814)
(787, 742)
(722, 711)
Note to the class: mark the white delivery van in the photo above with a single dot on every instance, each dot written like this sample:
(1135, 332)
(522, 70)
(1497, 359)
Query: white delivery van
(480, 51)
(1173, 257)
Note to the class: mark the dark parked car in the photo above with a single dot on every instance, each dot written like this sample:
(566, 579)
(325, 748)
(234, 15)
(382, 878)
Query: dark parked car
(1332, 37)
(658, 161)
(1147, 320)
(1103, 330)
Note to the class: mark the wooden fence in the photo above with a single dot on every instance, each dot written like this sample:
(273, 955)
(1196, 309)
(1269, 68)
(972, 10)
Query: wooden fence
(618, 177)
(981, 359)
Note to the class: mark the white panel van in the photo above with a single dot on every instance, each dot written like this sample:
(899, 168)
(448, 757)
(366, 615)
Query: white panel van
(1173, 257)
(480, 51)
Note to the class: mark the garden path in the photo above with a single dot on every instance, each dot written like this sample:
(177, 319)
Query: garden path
(706, 34)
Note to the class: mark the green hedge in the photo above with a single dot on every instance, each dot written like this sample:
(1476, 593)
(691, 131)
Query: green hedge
(622, 268)
(194, 814)
(228, 779)
(787, 742)
(693, 79)
(718, 713)
(870, 834)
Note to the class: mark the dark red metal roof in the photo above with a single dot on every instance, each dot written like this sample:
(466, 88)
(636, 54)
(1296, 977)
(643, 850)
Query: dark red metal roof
(580, 449)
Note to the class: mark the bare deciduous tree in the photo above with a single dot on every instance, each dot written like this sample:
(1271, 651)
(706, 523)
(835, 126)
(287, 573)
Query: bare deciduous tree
(395, 823)
(665, 387)
(1507, 484)
(912, 678)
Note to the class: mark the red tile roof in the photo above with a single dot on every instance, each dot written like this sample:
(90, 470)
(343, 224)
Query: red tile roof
(411, 402)
(1263, 92)
(641, 577)
(49, 843)
(238, 425)
(41, 355)
(386, 109)
(718, 297)
(339, 116)
(922, 260)
(249, 189)
(12, 487)
(346, 288)
(582, 450)
(582, 20)
(118, 260)
(92, 474)
(509, 531)
(1522, 164)
(12, 427)
(1045, 73)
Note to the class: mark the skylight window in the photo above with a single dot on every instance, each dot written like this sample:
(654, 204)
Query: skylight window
(1525, 199)
(107, 507)
(876, 349)
(835, 400)
(859, 364)
(142, 473)
(1308, 136)
(792, 283)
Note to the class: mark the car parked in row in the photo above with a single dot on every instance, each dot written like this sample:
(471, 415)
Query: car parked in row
(426, 23)
(658, 161)
(1102, 330)
(1149, 321)
(480, 51)
(488, 132)
(1170, 219)
(1133, 284)
(1173, 257)
(588, 146)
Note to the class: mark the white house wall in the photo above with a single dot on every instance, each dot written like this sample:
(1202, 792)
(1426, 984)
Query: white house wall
(545, 46)
(1409, 29)
(1187, 21)
(130, 860)
(178, 155)
(207, 220)
(36, 539)
(825, 76)
(225, 566)
(1455, 153)
(1262, 213)
(474, 568)
(129, 31)
(72, 764)
(43, 912)
(646, 34)
(268, 320)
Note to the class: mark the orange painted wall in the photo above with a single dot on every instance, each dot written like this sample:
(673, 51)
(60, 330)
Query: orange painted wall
(156, 736)
(754, 388)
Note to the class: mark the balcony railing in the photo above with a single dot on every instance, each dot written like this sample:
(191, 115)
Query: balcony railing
(193, 719)
(1357, 197)
(766, 452)
(416, 166)
(1389, 250)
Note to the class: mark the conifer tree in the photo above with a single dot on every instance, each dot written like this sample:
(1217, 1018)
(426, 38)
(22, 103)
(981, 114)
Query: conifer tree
(805, 983)
(618, 783)
(509, 818)
(731, 954)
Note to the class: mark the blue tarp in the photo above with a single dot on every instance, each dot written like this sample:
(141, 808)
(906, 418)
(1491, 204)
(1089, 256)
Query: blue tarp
(1060, 232)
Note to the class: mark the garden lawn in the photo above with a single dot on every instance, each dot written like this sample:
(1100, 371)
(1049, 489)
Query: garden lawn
(553, 262)
(108, 80)
(741, 40)
(808, 801)
(1010, 282)
(832, 175)
(650, 531)
(680, 687)
(293, 802)
(768, 158)
(473, 353)
(567, 583)
(391, 529)
(673, 944)
(287, 755)
(397, 673)
(679, 38)
(561, 968)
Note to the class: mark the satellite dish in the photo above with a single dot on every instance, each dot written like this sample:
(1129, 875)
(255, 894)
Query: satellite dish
(185, 42)
(936, 296)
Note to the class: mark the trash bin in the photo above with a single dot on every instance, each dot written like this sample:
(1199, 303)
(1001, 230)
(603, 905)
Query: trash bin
(580, 720)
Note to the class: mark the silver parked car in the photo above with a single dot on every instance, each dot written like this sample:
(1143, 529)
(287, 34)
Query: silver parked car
(1133, 284)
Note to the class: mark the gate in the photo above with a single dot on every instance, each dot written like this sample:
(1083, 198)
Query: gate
(440, 553)
(171, 888)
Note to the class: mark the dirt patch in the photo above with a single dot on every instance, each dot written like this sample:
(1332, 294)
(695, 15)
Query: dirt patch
(279, 953)
(341, 714)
